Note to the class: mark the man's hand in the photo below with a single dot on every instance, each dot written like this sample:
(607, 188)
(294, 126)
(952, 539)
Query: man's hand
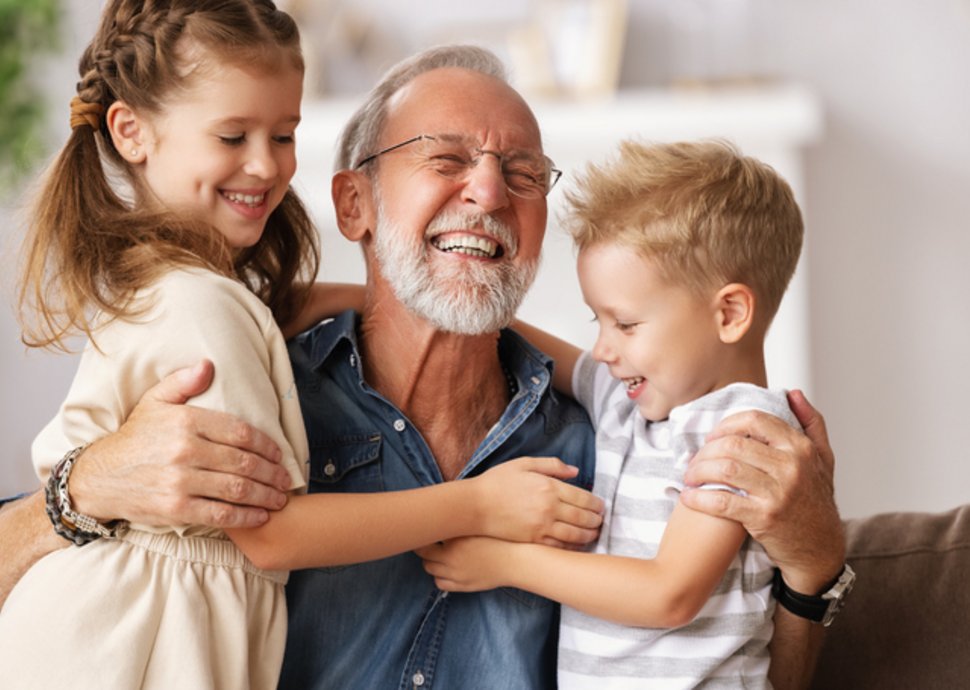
(789, 506)
(173, 464)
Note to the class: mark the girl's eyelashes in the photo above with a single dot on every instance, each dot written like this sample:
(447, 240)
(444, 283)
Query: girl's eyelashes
(236, 140)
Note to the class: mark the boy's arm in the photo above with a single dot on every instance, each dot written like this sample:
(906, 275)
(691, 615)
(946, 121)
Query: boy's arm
(666, 591)
(788, 506)
(564, 354)
(325, 300)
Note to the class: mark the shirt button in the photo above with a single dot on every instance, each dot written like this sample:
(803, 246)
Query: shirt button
(536, 380)
(418, 679)
(353, 360)
(399, 425)
(330, 469)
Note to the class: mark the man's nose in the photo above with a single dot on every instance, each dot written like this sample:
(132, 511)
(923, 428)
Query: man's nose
(485, 184)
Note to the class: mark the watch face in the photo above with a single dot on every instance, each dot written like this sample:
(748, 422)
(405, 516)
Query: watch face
(838, 594)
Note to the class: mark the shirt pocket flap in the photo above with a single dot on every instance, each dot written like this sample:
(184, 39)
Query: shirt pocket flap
(333, 460)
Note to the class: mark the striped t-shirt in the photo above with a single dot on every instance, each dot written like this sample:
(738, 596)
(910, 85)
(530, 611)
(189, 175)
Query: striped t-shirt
(639, 475)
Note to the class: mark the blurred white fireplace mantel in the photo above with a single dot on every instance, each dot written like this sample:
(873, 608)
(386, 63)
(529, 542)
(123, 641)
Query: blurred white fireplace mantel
(771, 122)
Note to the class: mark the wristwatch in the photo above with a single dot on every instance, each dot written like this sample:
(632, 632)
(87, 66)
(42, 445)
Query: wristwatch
(821, 608)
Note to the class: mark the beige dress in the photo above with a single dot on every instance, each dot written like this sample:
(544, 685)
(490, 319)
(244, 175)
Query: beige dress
(161, 607)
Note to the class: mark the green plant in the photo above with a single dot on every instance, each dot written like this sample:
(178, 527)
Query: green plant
(28, 28)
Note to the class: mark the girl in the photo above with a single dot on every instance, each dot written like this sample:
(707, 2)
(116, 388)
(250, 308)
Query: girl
(195, 104)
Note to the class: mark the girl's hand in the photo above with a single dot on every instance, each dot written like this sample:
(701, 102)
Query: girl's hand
(468, 564)
(526, 500)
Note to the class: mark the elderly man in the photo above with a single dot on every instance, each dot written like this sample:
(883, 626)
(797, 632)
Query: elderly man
(442, 179)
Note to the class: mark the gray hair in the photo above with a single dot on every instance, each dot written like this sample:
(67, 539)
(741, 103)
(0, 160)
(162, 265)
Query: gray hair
(359, 138)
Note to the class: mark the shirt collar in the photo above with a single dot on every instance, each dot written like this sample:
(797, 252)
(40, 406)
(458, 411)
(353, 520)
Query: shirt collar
(531, 368)
(321, 340)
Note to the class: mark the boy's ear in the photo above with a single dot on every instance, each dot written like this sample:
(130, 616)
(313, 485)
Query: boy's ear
(353, 203)
(734, 310)
(128, 132)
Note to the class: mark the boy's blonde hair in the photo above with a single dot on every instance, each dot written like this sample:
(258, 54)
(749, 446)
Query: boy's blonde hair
(708, 215)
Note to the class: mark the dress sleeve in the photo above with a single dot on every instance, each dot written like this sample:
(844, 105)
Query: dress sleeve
(191, 315)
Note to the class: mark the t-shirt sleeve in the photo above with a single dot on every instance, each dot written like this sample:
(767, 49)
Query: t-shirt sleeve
(691, 423)
(192, 315)
(593, 386)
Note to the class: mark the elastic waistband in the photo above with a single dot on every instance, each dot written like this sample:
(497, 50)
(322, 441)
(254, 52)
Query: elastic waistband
(215, 551)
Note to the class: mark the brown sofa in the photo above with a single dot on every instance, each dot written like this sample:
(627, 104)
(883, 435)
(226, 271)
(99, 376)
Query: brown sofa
(907, 622)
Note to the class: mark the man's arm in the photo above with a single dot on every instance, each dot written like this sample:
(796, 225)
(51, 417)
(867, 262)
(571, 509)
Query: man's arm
(25, 537)
(565, 355)
(788, 506)
(168, 464)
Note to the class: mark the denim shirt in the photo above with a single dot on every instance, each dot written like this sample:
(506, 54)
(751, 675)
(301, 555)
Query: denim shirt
(383, 624)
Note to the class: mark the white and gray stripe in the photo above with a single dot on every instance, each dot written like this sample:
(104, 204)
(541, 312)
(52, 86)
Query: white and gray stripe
(639, 475)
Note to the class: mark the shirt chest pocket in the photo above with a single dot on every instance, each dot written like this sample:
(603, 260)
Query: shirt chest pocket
(344, 464)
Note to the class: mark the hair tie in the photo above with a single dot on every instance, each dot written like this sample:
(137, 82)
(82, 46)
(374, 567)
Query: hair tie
(84, 113)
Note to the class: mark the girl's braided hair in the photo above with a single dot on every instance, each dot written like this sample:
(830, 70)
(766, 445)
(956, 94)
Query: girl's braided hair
(89, 249)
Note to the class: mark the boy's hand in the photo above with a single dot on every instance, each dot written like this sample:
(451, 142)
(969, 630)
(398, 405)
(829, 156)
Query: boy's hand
(526, 500)
(467, 564)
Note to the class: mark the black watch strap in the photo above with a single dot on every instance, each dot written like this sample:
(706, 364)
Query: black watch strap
(821, 608)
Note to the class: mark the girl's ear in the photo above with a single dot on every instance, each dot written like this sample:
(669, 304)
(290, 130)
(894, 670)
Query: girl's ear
(128, 132)
(353, 203)
(734, 305)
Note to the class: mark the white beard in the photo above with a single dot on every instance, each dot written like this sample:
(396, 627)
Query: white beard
(463, 297)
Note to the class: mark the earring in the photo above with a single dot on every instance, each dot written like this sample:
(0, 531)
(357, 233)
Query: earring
(134, 152)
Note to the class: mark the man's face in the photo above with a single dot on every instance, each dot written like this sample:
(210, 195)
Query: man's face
(458, 252)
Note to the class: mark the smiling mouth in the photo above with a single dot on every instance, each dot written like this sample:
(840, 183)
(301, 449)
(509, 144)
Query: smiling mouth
(250, 200)
(469, 245)
(633, 383)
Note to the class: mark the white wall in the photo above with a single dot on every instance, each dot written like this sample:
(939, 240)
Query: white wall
(887, 200)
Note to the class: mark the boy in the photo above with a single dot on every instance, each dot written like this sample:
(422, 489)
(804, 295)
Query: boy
(685, 251)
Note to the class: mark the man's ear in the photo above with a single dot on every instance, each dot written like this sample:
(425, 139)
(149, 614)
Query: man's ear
(353, 203)
(128, 132)
(734, 310)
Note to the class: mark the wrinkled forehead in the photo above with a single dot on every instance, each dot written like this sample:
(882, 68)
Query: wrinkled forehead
(460, 101)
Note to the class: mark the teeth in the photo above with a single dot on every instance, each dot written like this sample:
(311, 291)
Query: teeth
(471, 245)
(633, 383)
(248, 199)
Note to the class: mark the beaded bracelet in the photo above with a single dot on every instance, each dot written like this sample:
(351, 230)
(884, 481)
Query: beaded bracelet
(73, 526)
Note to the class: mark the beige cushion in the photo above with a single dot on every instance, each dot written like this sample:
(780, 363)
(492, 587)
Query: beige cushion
(907, 622)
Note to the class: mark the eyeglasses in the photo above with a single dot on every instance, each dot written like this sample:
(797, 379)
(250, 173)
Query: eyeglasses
(527, 175)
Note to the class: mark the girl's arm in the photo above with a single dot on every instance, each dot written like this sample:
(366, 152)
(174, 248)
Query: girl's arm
(325, 300)
(666, 591)
(522, 499)
(196, 314)
(563, 354)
